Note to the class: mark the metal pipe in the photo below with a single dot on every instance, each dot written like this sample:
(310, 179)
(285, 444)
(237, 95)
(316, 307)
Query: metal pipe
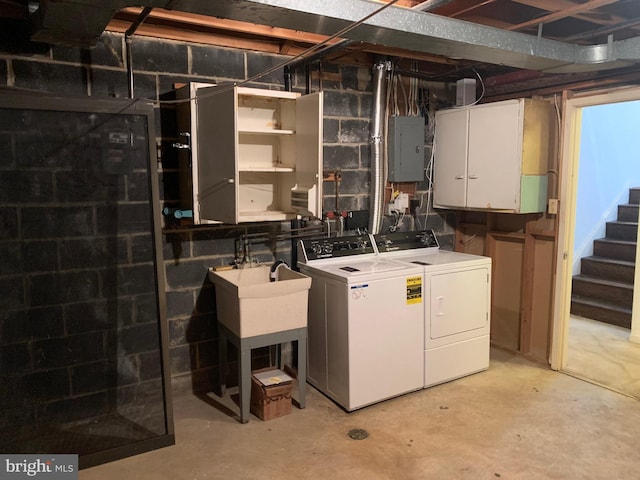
(307, 73)
(129, 65)
(128, 38)
(378, 115)
(289, 70)
(288, 78)
(320, 54)
(429, 5)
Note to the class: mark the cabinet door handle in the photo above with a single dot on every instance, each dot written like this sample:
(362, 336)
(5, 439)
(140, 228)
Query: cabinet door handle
(183, 146)
(459, 177)
(473, 177)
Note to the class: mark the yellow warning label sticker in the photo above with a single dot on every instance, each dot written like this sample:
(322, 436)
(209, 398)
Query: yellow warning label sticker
(414, 290)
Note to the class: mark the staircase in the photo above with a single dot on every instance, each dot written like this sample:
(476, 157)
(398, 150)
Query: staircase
(604, 289)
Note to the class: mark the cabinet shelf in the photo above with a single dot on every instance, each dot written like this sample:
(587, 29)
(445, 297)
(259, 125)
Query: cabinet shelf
(266, 131)
(265, 216)
(274, 169)
(256, 154)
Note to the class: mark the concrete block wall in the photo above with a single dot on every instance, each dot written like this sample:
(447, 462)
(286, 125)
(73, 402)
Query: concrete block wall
(188, 252)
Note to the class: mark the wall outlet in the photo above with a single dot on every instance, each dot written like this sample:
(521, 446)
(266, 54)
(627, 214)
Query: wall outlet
(401, 202)
(553, 206)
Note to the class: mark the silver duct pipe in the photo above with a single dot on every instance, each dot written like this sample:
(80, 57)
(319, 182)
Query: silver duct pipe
(378, 115)
(420, 31)
(404, 28)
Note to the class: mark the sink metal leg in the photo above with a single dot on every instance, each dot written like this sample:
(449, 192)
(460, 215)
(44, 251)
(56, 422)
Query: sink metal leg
(302, 372)
(244, 347)
(244, 380)
(222, 361)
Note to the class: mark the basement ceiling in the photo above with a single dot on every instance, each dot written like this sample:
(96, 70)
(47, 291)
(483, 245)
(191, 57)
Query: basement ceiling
(514, 45)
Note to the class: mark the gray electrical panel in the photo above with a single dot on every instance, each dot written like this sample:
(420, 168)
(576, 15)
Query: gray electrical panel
(406, 149)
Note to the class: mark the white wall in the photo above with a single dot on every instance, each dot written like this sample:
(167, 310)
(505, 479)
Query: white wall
(609, 165)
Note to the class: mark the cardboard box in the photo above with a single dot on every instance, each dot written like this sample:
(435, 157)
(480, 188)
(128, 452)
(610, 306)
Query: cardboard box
(271, 391)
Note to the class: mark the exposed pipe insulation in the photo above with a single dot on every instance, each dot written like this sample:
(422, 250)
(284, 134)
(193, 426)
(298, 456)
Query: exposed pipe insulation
(378, 180)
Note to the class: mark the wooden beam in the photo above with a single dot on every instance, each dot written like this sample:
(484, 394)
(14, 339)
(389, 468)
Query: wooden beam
(406, 3)
(549, 5)
(564, 13)
(512, 77)
(555, 84)
(280, 43)
(470, 6)
(192, 19)
(489, 21)
(559, 5)
(408, 54)
(217, 39)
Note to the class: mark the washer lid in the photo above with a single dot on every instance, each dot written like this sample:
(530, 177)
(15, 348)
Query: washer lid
(364, 267)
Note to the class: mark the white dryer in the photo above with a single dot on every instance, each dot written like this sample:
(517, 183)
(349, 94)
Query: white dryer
(457, 290)
(365, 323)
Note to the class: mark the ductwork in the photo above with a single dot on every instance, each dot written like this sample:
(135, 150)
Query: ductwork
(378, 116)
(394, 27)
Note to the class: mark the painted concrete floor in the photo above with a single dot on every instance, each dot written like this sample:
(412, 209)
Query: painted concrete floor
(517, 420)
(602, 353)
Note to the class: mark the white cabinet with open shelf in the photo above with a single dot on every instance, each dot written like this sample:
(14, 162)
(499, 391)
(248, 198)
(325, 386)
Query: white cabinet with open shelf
(256, 155)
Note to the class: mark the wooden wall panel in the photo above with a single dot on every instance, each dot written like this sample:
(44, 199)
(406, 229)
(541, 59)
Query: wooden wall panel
(542, 298)
(507, 253)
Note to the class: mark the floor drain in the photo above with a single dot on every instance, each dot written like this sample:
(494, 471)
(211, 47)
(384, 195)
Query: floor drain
(358, 434)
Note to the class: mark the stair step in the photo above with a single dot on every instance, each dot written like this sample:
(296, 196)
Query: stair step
(622, 230)
(613, 248)
(634, 195)
(628, 212)
(608, 269)
(601, 311)
(617, 293)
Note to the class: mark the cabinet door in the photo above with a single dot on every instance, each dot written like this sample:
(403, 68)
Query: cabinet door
(217, 156)
(450, 169)
(185, 118)
(306, 196)
(495, 155)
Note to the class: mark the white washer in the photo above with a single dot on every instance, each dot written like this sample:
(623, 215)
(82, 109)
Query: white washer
(365, 323)
(457, 303)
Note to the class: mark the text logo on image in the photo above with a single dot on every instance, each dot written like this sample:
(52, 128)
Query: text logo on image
(50, 467)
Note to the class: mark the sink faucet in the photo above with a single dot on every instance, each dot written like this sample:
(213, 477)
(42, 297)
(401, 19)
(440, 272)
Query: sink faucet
(247, 260)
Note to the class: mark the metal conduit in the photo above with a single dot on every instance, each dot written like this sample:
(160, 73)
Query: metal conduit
(128, 38)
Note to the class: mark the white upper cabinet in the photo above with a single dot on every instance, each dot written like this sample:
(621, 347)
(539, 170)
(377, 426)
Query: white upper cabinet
(494, 156)
(256, 154)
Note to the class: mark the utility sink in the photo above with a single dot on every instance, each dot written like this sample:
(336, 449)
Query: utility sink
(249, 304)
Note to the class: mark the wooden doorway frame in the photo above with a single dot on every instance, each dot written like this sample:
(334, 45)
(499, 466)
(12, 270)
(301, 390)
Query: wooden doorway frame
(572, 106)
